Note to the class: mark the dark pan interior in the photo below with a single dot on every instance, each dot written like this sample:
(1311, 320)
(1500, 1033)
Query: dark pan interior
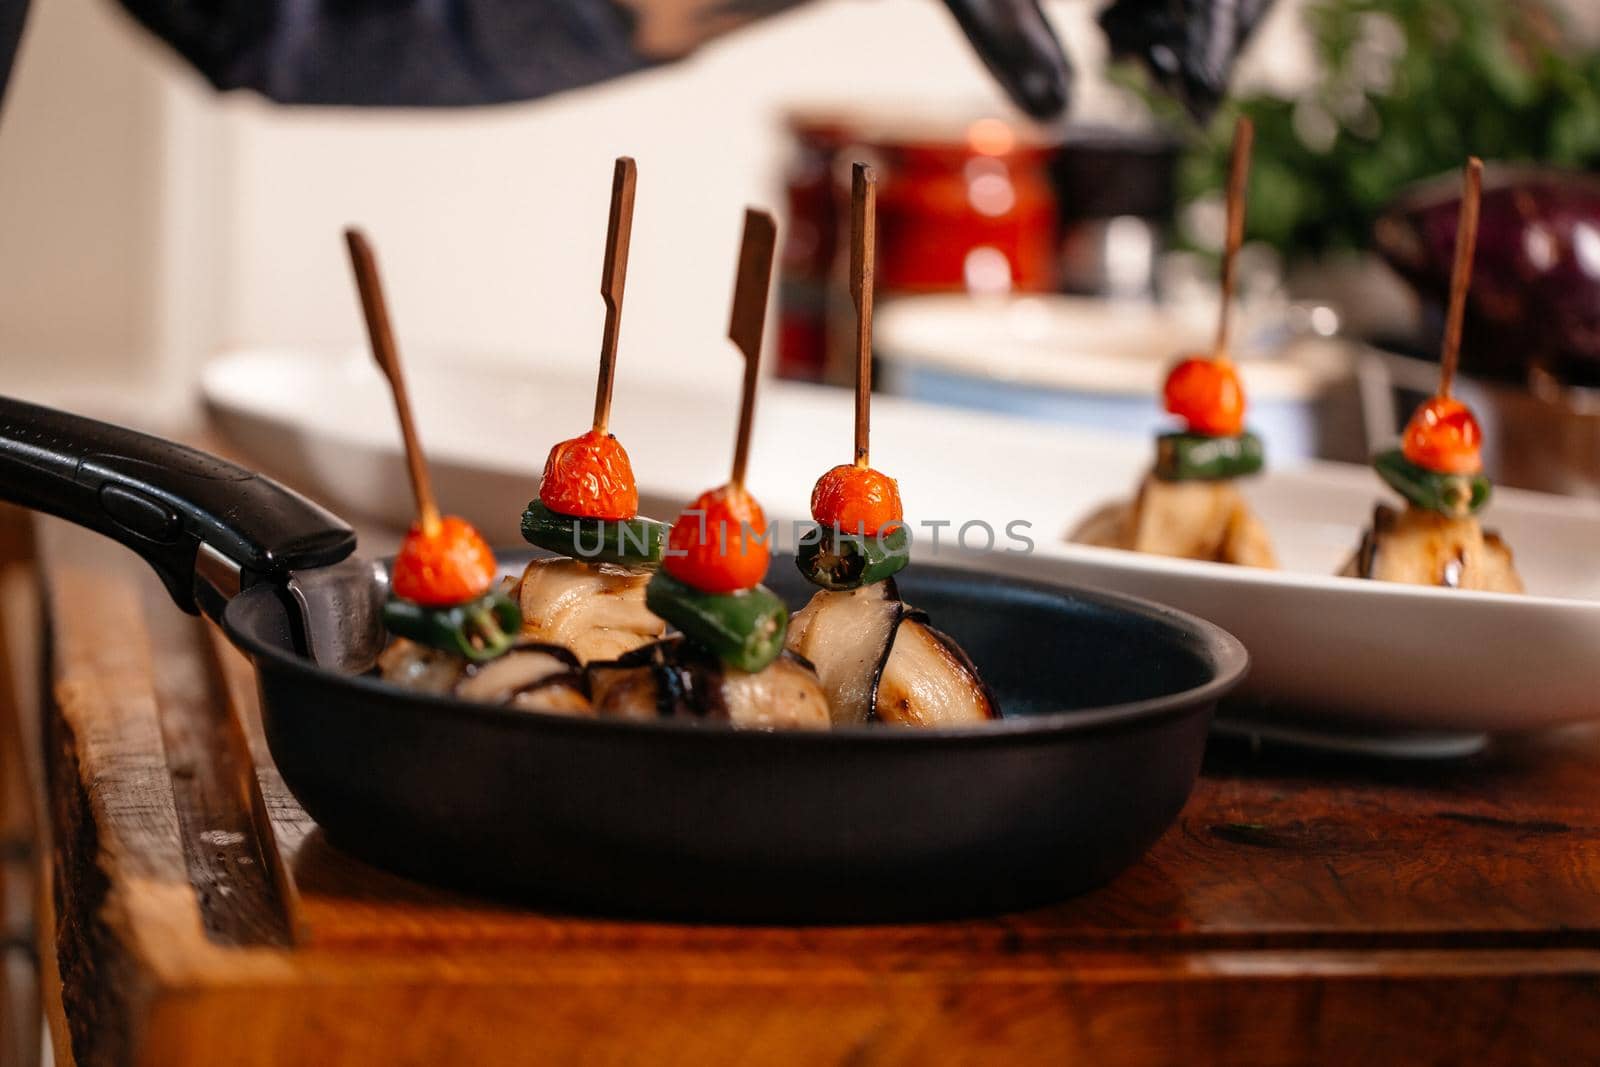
(710, 823)
(1057, 651)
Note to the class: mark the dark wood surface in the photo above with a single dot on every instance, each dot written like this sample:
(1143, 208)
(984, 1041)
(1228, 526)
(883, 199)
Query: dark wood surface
(20, 844)
(1301, 911)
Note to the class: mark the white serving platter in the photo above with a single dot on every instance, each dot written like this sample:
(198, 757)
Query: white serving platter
(1418, 669)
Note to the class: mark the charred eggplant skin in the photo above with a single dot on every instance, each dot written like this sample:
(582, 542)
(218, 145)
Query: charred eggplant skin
(685, 682)
(840, 561)
(478, 630)
(1183, 457)
(744, 629)
(635, 542)
(1455, 495)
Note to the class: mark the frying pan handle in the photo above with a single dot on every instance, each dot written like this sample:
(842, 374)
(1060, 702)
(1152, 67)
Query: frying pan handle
(177, 507)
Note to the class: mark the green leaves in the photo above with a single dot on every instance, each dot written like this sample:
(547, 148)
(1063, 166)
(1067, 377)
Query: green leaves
(1413, 86)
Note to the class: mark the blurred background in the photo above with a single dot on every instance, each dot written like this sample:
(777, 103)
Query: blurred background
(151, 225)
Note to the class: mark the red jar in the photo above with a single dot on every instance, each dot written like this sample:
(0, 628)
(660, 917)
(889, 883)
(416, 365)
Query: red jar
(965, 206)
(810, 241)
(976, 213)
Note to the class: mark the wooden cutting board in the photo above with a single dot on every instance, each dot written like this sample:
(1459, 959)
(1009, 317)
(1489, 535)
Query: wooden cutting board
(1302, 910)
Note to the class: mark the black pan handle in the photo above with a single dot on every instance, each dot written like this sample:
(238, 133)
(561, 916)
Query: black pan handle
(164, 501)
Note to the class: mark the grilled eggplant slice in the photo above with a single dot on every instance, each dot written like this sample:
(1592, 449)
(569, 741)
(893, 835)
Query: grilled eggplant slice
(1422, 547)
(1106, 526)
(848, 636)
(879, 660)
(784, 695)
(929, 681)
(595, 610)
(1204, 520)
(672, 678)
(529, 675)
(415, 666)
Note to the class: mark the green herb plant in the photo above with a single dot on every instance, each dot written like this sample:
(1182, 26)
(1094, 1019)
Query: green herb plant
(1406, 90)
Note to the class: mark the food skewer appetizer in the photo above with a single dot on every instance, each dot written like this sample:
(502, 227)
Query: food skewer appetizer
(591, 601)
(728, 660)
(877, 658)
(1188, 506)
(454, 633)
(1438, 468)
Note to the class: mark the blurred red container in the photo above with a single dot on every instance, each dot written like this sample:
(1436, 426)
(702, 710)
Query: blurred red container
(810, 240)
(963, 206)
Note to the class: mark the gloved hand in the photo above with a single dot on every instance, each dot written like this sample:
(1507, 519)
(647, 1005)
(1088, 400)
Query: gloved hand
(1188, 45)
(1020, 50)
(422, 53)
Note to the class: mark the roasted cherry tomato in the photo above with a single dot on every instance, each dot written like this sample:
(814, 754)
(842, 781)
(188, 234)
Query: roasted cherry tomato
(1206, 393)
(856, 499)
(590, 477)
(1443, 436)
(718, 544)
(449, 566)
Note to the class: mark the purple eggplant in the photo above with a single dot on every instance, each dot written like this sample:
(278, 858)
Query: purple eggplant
(1535, 295)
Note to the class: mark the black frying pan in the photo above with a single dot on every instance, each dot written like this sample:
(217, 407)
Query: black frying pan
(1107, 703)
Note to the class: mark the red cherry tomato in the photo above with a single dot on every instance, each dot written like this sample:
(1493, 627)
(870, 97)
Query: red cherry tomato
(590, 477)
(713, 545)
(1444, 436)
(1206, 393)
(450, 566)
(856, 498)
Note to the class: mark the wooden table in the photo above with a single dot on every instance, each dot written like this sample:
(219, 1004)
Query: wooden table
(1301, 911)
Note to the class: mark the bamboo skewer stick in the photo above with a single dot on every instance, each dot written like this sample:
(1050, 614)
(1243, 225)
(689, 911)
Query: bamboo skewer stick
(1461, 272)
(613, 279)
(750, 288)
(376, 310)
(1238, 179)
(863, 256)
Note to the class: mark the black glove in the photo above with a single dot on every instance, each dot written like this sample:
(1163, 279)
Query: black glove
(422, 53)
(1188, 45)
(1020, 50)
(12, 15)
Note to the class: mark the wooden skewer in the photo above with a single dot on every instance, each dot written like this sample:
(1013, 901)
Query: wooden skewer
(863, 255)
(381, 336)
(1461, 273)
(749, 319)
(1244, 132)
(613, 277)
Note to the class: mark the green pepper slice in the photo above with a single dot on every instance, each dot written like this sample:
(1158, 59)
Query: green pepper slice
(744, 629)
(840, 561)
(479, 629)
(1183, 457)
(1455, 495)
(635, 542)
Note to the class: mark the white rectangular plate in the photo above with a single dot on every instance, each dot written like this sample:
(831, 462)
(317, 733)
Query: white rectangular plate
(1326, 651)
